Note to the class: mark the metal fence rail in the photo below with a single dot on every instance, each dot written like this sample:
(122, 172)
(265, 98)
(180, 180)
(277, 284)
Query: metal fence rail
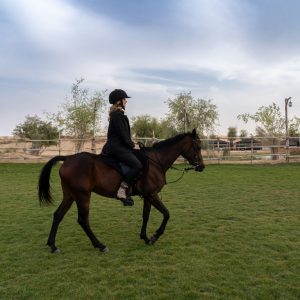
(219, 150)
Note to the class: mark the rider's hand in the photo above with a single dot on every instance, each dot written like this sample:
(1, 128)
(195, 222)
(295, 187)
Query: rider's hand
(136, 146)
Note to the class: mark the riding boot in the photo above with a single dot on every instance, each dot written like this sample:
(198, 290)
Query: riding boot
(122, 194)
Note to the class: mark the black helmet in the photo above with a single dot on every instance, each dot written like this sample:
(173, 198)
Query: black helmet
(116, 95)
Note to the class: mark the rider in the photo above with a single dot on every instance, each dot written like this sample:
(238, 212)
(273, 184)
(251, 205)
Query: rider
(119, 143)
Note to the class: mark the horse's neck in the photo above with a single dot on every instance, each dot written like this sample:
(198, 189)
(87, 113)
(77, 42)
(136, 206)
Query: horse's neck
(166, 156)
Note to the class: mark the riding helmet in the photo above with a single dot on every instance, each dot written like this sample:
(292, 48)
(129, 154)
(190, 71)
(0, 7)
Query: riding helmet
(116, 95)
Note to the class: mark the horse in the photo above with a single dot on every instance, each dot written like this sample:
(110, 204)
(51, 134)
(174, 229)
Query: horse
(84, 173)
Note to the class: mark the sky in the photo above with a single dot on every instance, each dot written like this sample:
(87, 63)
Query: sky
(241, 54)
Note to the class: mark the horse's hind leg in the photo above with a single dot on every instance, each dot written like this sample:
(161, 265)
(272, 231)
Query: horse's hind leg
(57, 218)
(83, 205)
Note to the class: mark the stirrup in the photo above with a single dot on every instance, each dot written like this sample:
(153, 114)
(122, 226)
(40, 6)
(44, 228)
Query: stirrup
(122, 195)
(127, 201)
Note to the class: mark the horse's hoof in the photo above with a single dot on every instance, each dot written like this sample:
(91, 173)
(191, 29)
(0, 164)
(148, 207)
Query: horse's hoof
(147, 241)
(104, 250)
(153, 240)
(54, 251)
(128, 201)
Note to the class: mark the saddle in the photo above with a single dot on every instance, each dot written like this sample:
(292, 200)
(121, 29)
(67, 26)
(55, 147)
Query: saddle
(122, 168)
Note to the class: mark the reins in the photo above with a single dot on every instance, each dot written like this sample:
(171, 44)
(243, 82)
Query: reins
(183, 171)
(158, 163)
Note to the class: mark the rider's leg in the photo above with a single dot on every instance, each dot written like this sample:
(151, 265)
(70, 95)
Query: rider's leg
(135, 166)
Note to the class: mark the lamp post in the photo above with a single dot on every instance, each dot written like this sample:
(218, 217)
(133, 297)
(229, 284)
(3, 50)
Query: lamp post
(94, 128)
(287, 102)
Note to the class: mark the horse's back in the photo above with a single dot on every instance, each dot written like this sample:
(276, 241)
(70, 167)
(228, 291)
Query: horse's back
(77, 164)
(85, 172)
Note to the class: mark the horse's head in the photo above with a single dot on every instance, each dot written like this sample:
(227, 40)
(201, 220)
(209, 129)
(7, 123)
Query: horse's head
(192, 151)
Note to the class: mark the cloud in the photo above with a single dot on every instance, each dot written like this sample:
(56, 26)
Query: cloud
(225, 50)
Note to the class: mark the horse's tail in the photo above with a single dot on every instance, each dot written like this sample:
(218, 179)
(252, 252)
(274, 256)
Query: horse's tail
(44, 180)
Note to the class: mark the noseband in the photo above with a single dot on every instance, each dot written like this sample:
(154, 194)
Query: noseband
(196, 163)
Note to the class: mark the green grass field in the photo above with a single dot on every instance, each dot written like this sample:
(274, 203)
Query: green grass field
(234, 233)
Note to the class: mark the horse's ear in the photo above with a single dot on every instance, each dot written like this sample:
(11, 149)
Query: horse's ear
(194, 132)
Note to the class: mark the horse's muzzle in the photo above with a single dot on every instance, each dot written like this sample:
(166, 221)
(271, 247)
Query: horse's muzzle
(199, 168)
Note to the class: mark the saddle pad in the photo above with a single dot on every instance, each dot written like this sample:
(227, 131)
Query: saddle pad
(121, 167)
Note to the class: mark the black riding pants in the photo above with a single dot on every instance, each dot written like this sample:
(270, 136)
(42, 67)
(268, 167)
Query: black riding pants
(129, 159)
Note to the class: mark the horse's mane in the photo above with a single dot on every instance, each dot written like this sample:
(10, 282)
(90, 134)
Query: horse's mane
(170, 141)
(167, 142)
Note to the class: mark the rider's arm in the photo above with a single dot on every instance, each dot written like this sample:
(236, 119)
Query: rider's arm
(123, 130)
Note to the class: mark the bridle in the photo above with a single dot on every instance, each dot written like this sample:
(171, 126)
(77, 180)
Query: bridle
(196, 154)
(193, 166)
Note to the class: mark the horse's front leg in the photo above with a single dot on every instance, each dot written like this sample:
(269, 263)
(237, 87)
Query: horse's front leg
(146, 213)
(156, 202)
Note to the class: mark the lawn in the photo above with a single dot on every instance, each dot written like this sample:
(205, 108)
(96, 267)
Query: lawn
(234, 233)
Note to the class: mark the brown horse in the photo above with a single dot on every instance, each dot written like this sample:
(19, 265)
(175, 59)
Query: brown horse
(84, 173)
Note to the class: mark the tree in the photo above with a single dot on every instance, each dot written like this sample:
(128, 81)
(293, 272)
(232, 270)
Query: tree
(42, 134)
(269, 120)
(186, 113)
(167, 130)
(243, 133)
(294, 128)
(81, 113)
(147, 126)
(232, 134)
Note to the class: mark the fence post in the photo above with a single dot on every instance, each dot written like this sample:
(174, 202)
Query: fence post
(251, 149)
(93, 145)
(287, 151)
(218, 150)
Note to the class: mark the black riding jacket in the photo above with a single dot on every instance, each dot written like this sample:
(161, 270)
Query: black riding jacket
(118, 134)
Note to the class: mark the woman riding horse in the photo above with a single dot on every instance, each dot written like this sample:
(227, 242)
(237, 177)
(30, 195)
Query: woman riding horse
(119, 144)
(85, 173)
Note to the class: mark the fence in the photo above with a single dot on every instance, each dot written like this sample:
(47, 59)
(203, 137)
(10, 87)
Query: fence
(250, 149)
(34, 150)
(219, 150)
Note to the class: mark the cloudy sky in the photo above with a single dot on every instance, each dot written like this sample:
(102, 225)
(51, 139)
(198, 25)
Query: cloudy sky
(242, 54)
